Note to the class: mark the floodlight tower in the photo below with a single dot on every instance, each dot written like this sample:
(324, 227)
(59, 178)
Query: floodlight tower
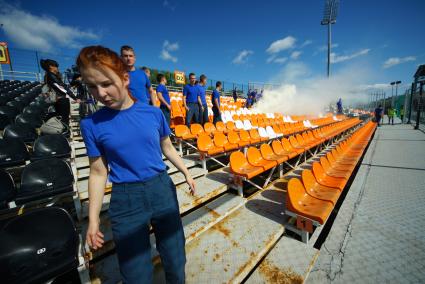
(329, 18)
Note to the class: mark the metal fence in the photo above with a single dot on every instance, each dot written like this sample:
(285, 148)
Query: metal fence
(25, 65)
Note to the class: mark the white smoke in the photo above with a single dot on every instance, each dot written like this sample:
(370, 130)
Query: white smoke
(300, 92)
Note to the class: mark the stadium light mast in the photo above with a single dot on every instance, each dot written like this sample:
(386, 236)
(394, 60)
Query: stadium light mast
(329, 18)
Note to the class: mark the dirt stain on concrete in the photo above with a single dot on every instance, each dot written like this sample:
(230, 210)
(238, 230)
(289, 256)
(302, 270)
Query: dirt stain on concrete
(274, 274)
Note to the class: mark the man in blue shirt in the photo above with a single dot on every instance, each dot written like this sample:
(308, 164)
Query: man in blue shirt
(215, 98)
(202, 100)
(190, 100)
(140, 86)
(164, 97)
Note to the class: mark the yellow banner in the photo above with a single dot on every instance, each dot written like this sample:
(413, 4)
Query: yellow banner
(4, 53)
(179, 77)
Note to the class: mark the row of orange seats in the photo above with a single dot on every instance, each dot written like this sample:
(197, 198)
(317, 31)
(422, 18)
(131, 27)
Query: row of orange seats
(316, 193)
(257, 161)
(185, 133)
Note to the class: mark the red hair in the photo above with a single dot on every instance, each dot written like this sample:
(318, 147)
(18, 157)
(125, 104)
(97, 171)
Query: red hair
(99, 56)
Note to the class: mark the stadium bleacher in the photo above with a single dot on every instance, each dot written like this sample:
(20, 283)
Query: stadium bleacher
(39, 173)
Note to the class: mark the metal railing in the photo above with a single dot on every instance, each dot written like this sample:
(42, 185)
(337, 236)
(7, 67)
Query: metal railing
(22, 76)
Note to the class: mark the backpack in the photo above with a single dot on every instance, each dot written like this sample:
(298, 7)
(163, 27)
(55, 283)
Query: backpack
(53, 126)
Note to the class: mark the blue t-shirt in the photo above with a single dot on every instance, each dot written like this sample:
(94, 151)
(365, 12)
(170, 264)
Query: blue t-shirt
(163, 90)
(215, 95)
(191, 93)
(202, 94)
(129, 140)
(139, 85)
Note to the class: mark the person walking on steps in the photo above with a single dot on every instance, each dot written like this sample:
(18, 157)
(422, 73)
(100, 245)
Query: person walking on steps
(129, 138)
(378, 114)
(391, 113)
(190, 100)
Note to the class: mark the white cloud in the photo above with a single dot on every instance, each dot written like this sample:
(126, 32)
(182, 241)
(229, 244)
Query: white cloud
(242, 57)
(280, 60)
(341, 58)
(390, 62)
(305, 43)
(43, 33)
(274, 59)
(167, 47)
(281, 44)
(325, 47)
(295, 54)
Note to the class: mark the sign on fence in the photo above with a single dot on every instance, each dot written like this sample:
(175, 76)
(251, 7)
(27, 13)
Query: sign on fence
(4, 53)
(179, 77)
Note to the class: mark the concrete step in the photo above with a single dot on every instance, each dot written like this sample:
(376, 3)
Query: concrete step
(290, 261)
(230, 249)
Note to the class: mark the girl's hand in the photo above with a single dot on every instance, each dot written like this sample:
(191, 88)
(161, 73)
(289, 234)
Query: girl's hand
(191, 184)
(94, 237)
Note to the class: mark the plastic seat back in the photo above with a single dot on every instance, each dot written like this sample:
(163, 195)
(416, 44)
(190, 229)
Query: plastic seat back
(220, 139)
(20, 131)
(220, 126)
(209, 128)
(181, 130)
(13, 152)
(270, 132)
(9, 111)
(38, 246)
(237, 161)
(247, 124)
(266, 151)
(32, 119)
(254, 156)
(308, 178)
(233, 137)
(51, 146)
(196, 129)
(277, 147)
(204, 143)
(230, 125)
(44, 178)
(239, 124)
(262, 132)
(254, 134)
(244, 136)
(7, 189)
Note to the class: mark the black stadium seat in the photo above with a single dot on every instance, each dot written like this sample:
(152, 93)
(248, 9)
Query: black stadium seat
(38, 246)
(4, 121)
(13, 152)
(51, 146)
(7, 189)
(43, 179)
(29, 118)
(19, 106)
(33, 109)
(22, 131)
(9, 111)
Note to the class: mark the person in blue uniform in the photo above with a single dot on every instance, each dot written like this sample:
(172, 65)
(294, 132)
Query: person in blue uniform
(164, 97)
(140, 86)
(202, 100)
(190, 100)
(125, 141)
(215, 98)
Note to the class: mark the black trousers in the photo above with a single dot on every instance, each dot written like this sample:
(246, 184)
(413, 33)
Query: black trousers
(63, 109)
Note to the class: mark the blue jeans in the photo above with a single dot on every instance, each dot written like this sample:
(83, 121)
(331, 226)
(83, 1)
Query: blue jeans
(217, 115)
(203, 115)
(133, 208)
(166, 113)
(192, 112)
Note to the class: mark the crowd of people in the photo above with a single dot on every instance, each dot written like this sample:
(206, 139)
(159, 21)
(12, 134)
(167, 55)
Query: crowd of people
(391, 113)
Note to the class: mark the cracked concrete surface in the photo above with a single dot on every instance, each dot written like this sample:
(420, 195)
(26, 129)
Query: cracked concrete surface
(378, 234)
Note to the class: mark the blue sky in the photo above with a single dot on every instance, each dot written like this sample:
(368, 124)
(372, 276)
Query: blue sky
(237, 41)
